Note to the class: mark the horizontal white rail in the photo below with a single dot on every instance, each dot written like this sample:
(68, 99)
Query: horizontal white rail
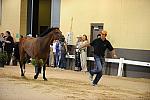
(131, 62)
(120, 61)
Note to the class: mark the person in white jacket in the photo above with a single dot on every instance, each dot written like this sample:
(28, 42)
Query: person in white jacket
(57, 52)
(83, 54)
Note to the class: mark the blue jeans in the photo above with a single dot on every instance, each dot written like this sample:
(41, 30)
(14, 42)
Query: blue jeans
(99, 61)
(63, 60)
(57, 59)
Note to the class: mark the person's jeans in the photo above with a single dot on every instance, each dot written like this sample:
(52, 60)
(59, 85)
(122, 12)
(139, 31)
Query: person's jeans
(63, 60)
(99, 61)
(57, 59)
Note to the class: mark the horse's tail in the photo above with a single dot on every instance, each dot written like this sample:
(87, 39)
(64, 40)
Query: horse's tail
(16, 51)
(16, 48)
(19, 46)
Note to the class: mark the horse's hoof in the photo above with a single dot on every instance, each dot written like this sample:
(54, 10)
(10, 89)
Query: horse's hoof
(35, 77)
(22, 77)
(22, 74)
(45, 79)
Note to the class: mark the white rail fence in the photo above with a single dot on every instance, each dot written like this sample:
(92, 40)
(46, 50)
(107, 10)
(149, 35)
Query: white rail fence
(120, 61)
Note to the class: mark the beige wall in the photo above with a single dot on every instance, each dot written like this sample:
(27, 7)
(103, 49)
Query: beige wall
(23, 18)
(0, 10)
(10, 16)
(127, 21)
(14, 16)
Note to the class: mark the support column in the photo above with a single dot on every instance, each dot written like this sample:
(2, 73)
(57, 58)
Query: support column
(33, 13)
(120, 69)
(55, 13)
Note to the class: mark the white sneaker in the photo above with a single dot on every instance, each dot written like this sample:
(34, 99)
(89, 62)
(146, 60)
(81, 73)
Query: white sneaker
(91, 77)
(94, 84)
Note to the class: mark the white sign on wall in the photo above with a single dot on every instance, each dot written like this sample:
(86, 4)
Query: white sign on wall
(69, 38)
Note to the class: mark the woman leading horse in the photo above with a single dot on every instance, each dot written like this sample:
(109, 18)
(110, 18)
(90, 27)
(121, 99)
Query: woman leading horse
(37, 48)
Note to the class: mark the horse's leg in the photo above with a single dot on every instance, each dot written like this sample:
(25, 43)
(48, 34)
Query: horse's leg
(24, 67)
(22, 74)
(44, 68)
(22, 62)
(37, 73)
(38, 69)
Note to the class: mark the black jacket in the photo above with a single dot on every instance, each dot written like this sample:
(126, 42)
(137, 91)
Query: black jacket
(9, 46)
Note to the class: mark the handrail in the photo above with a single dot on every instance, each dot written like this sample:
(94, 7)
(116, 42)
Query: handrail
(120, 61)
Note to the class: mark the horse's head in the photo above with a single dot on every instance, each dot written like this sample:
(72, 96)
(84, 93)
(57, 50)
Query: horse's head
(57, 34)
(53, 33)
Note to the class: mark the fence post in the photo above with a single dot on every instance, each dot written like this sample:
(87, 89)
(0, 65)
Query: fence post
(120, 68)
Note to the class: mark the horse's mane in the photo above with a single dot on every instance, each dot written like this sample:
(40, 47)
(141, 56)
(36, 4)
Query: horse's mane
(47, 31)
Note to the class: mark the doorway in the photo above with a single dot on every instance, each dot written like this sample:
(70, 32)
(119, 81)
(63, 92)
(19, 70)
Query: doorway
(95, 29)
(38, 16)
(44, 15)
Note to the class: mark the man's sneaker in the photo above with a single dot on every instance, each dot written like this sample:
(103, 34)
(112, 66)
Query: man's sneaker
(91, 77)
(94, 84)
(62, 69)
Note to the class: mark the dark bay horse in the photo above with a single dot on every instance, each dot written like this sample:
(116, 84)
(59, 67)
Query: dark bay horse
(37, 48)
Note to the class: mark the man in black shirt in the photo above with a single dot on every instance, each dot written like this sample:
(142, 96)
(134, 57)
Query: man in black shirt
(100, 45)
(8, 47)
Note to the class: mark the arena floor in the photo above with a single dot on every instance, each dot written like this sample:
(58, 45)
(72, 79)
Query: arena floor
(69, 85)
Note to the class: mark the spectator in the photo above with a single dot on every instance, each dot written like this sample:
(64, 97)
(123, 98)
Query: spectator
(63, 53)
(77, 54)
(8, 46)
(83, 54)
(1, 41)
(56, 47)
(51, 57)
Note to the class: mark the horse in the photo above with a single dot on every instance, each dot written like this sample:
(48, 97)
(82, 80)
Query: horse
(37, 48)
